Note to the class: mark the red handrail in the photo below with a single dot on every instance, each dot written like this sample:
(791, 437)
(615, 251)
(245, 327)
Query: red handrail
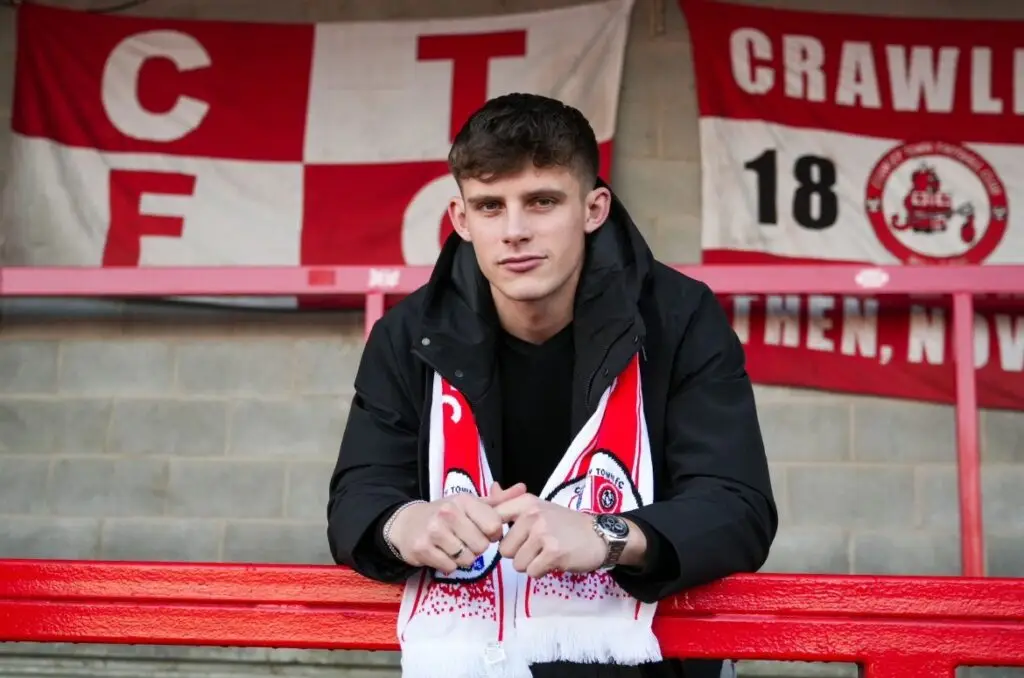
(894, 626)
(963, 283)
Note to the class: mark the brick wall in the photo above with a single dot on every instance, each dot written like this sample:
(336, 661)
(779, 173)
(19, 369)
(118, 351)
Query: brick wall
(149, 432)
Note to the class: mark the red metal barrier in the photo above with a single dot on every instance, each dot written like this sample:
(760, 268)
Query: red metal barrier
(896, 627)
(963, 283)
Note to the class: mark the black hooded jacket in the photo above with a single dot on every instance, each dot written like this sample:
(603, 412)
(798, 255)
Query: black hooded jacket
(714, 512)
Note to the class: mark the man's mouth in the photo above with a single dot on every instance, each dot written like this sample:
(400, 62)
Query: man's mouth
(521, 263)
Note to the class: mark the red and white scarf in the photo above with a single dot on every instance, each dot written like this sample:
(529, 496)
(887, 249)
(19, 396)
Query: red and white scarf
(491, 621)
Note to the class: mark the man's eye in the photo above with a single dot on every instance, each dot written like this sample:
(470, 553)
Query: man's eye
(489, 206)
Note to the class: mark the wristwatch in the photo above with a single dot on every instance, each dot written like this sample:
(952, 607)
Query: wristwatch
(614, 530)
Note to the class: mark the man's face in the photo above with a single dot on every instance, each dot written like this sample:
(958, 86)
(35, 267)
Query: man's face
(528, 229)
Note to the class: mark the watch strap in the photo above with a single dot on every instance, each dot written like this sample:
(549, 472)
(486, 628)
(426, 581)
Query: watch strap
(616, 545)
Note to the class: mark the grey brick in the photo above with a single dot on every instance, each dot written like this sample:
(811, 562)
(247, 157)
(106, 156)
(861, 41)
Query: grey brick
(169, 427)
(108, 487)
(38, 426)
(990, 672)
(28, 367)
(814, 551)
(1002, 501)
(218, 489)
(163, 540)
(937, 497)
(276, 542)
(802, 432)
(1002, 497)
(845, 495)
(23, 484)
(769, 669)
(906, 553)
(111, 367)
(307, 490)
(304, 427)
(638, 141)
(654, 188)
(263, 367)
(903, 432)
(1005, 555)
(327, 365)
(66, 538)
(675, 237)
(1003, 437)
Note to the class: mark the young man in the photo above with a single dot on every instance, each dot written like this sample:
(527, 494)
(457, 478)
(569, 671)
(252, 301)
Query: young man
(553, 434)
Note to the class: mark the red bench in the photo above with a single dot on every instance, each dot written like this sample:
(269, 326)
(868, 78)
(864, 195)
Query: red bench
(895, 627)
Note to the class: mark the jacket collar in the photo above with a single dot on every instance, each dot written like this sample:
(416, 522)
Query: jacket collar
(460, 325)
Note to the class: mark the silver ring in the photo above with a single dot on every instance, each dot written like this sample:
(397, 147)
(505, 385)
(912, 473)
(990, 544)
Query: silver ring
(458, 553)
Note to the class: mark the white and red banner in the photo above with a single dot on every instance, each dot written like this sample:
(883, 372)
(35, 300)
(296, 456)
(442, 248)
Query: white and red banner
(152, 142)
(830, 138)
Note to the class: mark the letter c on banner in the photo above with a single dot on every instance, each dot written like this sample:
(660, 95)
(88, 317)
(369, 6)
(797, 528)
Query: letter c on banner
(421, 223)
(122, 71)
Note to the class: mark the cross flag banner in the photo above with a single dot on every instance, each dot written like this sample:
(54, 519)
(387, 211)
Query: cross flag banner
(156, 142)
(829, 138)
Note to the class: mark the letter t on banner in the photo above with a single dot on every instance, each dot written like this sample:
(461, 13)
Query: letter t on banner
(470, 55)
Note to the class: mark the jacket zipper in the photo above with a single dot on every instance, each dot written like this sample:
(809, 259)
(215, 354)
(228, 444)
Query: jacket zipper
(604, 359)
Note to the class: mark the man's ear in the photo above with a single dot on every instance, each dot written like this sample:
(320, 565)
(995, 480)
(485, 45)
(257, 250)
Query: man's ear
(457, 213)
(598, 205)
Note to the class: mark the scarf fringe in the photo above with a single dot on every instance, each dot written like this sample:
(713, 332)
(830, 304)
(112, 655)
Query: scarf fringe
(462, 660)
(587, 640)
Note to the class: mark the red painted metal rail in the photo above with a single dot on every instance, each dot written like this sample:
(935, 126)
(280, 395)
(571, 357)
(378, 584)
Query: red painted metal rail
(962, 283)
(895, 627)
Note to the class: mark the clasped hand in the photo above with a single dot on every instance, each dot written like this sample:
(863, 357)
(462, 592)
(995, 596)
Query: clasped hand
(450, 533)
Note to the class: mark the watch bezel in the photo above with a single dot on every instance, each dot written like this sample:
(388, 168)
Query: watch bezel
(615, 526)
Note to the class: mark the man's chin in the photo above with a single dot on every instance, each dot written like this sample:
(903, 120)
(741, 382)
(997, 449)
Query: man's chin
(524, 294)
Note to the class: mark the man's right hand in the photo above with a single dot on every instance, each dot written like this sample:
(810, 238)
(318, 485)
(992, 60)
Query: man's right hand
(450, 533)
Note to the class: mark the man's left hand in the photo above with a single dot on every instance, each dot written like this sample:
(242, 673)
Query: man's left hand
(545, 537)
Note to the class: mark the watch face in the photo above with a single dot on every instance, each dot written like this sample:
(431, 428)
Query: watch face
(614, 525)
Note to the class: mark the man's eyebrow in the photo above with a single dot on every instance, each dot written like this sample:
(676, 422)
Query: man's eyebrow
(531, 195)
(481, 199)
(546, 193)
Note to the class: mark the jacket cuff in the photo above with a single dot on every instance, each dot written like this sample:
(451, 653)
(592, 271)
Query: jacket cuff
(660, 566)
(369, 554)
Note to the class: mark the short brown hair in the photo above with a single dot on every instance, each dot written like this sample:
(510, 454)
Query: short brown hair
(511, 131)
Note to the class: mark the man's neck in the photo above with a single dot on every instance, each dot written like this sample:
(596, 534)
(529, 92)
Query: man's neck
(537, 321)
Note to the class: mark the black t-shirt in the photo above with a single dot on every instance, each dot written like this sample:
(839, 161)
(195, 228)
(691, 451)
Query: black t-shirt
(536, 394)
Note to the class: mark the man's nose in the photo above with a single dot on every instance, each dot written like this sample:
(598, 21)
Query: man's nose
(516, 227)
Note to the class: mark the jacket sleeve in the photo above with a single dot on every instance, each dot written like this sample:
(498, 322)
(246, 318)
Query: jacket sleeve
(376, 469)
(718, 516)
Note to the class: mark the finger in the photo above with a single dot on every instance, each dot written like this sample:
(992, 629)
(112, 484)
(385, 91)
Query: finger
(516, 537)
(437, 559)
(526, 554)
(469, 533)
(497, 494)
(461, 554)
(486, 520)
(542, 564)
(513, 509)
(441, 536)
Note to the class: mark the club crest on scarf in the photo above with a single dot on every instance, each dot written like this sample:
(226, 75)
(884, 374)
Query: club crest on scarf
(605, 487)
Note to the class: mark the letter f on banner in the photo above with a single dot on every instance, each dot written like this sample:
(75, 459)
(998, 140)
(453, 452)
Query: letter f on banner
(129, 224)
